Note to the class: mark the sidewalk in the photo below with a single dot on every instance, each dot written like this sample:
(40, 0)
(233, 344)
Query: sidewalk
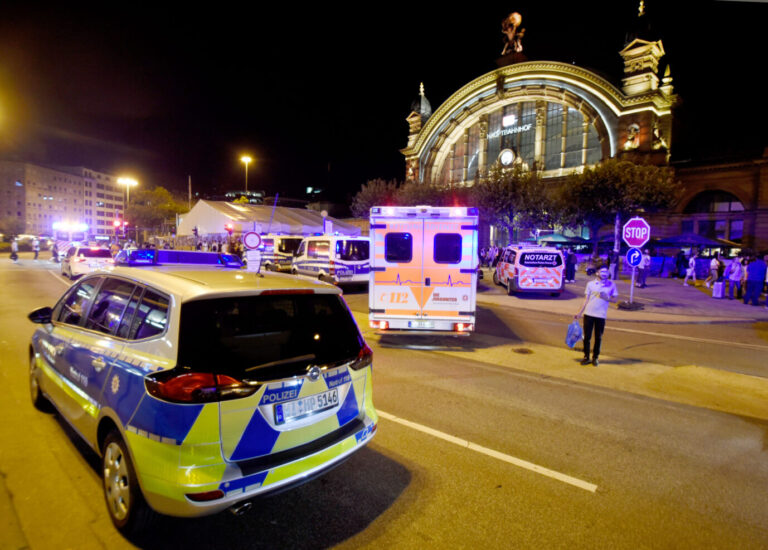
(664, 300)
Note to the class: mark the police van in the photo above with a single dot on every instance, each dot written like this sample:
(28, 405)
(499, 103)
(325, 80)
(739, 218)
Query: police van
(423, 269)
(530, 268)
(277, 251)
(336, 259)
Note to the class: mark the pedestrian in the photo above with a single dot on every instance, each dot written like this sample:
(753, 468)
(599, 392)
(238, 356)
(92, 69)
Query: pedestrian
(643, 269)
(598, 295)
(570, 266)
(691, 271)
(714, 266)
(734, 274)
(14, 250)
(680, 264)
(36, 247)
(756, 273)
(613, 264)
(55, 253)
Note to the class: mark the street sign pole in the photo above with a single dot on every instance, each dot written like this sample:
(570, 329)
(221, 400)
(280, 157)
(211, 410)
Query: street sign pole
(634, 257)
(632, 286)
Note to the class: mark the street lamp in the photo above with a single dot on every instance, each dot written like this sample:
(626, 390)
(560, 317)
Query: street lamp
(246, 160)
(128, 182)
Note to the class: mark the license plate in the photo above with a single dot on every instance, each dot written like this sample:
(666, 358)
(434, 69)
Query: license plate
(306, 406)
(421, 324)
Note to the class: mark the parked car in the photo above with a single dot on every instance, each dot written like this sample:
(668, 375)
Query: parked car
(202, 388)
(80, 260)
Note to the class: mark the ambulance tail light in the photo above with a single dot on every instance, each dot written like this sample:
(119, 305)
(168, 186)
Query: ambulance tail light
(463, 327)
(331, 268)
(364, 358)
(381, 325)
(196, 387)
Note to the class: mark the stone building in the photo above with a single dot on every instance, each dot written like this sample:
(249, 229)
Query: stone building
(558, 118)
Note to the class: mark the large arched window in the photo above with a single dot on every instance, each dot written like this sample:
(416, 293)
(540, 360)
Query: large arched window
(560, 136)
(714, 201)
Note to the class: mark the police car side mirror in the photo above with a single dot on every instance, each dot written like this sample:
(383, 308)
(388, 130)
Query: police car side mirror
(41, 315)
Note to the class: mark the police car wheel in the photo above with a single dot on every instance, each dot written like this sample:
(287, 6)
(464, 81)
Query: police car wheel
(293, 271)
(126, 505)
(510, 291)
(495, 278)
(38, 399)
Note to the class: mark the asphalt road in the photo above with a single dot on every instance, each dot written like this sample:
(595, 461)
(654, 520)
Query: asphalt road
(468, 454)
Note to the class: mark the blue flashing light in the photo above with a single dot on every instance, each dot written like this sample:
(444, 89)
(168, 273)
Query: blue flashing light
(473, 211)
(375, 210)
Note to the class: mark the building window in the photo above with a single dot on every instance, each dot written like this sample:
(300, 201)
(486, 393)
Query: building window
(737, 231)
(714, 201)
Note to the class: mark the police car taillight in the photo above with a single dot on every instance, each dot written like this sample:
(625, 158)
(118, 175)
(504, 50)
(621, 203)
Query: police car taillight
(196, 387)
(364, 358)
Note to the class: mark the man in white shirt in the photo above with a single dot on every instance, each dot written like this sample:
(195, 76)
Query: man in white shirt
(644, 268)
(598, 295)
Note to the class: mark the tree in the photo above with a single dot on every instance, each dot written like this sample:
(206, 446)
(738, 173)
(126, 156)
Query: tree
(149, 208)
(375, 192)
(514, 197)
(612, 190)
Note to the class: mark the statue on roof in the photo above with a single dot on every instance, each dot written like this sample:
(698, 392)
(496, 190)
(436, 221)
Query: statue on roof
(513, 35)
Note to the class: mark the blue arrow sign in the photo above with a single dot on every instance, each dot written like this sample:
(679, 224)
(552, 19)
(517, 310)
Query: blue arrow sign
(634, 256)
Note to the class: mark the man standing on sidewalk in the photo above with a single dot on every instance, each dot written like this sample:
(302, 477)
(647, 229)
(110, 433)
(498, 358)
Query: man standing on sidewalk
(644, 268)
(755, 276)
(597, 297)
(734, 273)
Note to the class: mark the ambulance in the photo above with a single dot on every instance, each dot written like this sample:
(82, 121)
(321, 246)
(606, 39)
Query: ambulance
(277, 251)
(530, 268)
(423, 269)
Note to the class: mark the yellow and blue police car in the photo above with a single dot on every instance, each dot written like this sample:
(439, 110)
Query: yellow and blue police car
(202, 388)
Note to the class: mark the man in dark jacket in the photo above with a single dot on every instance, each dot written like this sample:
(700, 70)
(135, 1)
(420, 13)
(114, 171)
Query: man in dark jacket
(755, 277)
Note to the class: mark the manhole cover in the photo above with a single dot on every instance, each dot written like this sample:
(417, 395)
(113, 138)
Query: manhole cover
(522, 351)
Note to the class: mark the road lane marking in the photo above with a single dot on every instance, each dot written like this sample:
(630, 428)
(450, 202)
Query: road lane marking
(691, 338)
(59, 278)
(491, 453)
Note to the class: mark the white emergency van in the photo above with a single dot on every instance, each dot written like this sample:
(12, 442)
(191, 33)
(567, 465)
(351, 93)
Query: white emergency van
(277, 251)
(336, 259)
(530, 268)
(423, 268)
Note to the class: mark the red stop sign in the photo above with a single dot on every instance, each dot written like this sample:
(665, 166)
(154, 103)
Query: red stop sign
(636, 232)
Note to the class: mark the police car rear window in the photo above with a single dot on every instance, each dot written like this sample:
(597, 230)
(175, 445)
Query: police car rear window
(94, 253)
(288, 245)
(541, 259)
(266, 337)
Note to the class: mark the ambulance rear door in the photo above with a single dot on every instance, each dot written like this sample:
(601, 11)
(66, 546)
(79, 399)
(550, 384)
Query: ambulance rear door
(395, 289)
(450, 270)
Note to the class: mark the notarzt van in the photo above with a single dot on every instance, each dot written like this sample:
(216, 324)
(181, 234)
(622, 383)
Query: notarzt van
(423, 268)
(335, 259)
(278, 250)
(530, 269)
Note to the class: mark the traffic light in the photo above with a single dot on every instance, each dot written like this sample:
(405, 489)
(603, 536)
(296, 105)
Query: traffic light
(230, 228)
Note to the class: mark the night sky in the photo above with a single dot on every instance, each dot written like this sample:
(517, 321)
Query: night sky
(319, 95)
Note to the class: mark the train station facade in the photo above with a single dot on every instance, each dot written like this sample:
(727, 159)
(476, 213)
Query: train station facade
(558, 118)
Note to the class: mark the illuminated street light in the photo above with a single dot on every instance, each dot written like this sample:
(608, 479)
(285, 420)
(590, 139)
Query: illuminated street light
(246, 160)
(128, 182)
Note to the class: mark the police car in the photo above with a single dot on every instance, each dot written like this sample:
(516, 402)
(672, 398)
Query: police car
(203, 387)
(80, 260)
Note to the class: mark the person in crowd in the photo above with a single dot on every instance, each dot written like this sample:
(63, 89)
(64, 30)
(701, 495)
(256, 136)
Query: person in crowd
(570, 266)
(691, 271)
(756, 274)
(55, 252)
(733, 275)
(680, 264)
(14, 250)
(613, 263)
(36, 247)
(714, 267)
(643, 269)
(598, 295)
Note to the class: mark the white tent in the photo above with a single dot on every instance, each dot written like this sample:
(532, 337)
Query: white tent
(210, 217)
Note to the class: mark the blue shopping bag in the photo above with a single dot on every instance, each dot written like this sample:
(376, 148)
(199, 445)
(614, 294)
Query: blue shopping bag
(574, 334)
